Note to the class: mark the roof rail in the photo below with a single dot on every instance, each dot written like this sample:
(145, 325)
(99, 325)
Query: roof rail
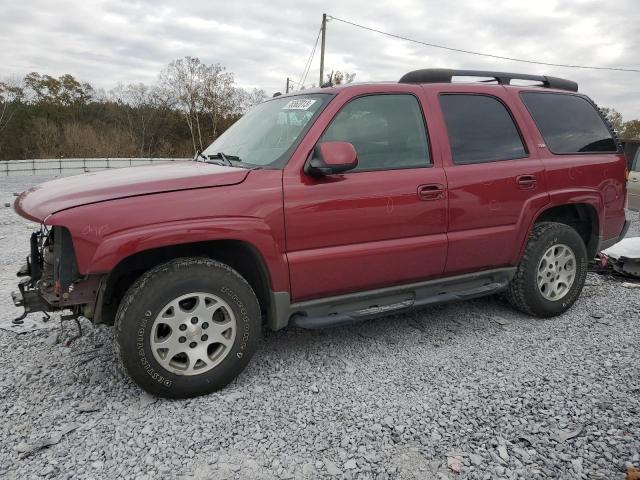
(444, 75)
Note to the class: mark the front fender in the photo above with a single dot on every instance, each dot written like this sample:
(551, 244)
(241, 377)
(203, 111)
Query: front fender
(116, 247)
(105, 233)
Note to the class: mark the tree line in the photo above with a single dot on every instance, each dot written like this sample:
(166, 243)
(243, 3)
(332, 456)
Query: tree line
(192, 103)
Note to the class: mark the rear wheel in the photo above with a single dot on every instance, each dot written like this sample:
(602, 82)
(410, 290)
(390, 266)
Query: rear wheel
(187, 327)
(552, 271)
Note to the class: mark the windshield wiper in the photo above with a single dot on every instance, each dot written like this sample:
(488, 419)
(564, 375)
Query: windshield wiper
(226, 158)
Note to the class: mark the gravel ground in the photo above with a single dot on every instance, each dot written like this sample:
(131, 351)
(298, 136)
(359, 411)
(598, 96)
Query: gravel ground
(467, 390)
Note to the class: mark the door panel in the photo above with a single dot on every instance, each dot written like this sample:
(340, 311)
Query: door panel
(493, 179)
(383, 223)
(486, 207)
(363, 230)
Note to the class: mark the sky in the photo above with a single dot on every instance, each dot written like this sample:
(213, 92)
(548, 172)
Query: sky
(264, 42)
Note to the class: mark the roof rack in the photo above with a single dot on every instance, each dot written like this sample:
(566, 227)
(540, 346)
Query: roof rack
(444, 75)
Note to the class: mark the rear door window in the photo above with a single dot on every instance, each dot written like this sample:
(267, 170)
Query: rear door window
(569, 123)
(480, 129)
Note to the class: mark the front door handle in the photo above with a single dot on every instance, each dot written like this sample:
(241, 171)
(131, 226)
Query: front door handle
(526, 182)
(433, 191)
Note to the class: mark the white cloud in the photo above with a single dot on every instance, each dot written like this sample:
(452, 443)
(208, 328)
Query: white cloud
(111, 41)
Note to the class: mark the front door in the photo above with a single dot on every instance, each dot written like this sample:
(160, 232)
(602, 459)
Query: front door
(381, 224)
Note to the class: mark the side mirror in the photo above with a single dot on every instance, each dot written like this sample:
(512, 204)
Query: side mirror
(329, 158)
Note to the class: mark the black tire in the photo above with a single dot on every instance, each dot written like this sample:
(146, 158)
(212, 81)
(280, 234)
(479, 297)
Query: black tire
(145, 300)
(523, 292)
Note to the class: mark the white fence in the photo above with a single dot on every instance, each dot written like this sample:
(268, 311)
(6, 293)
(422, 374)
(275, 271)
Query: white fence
(71, 166)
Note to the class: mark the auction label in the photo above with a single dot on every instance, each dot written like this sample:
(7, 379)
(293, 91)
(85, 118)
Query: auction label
(299, 104)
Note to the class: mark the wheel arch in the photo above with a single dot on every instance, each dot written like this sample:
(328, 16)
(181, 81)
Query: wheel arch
(240, 255)
(582, 217)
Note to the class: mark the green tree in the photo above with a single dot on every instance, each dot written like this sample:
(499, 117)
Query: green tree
(631, 130)
(614, 117)
(64, 90)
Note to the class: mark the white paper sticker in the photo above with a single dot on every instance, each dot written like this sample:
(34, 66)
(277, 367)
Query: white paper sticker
(300, 104)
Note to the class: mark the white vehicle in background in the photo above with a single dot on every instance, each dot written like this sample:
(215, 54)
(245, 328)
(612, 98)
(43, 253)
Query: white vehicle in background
(633, 185)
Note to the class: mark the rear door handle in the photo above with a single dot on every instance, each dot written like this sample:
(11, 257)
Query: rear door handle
(433, 191)
(526, 182)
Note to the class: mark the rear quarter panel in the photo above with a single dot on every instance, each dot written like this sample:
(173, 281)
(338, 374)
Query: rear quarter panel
(595, 179)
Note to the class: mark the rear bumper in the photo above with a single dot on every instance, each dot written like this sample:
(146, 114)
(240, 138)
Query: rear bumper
(604, 244)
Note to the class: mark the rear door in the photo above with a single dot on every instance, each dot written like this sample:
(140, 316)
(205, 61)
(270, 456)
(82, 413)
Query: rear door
(493, 176)
(633, 185)
(379, 225)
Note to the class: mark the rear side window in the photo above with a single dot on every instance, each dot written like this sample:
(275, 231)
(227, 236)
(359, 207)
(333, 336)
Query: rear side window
(387, 131)
(480, 129)
(569, 123)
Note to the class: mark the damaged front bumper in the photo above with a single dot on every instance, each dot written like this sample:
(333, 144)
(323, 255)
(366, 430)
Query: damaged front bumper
(50, 280)
(30, 299)
(28, 295)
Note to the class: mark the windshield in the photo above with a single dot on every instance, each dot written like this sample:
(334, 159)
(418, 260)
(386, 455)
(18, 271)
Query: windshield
(269, 131)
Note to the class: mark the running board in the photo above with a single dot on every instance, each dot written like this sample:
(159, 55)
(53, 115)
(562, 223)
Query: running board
(348, 309)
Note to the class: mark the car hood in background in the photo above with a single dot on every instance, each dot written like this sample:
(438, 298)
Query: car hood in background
(42, 200)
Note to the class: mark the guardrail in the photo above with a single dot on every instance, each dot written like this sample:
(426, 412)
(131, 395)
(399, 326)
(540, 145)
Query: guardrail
(71, 166)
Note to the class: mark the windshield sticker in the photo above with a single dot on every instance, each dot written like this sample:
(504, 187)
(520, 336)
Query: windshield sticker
(301, 104)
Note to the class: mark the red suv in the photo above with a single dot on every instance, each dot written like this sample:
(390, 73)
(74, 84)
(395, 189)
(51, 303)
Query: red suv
(327, 207)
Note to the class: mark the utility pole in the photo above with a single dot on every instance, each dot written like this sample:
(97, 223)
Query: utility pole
(287, 85)
(323, 30)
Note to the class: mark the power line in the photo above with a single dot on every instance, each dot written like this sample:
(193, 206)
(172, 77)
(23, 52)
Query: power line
(307, 66)
(313, 53)
(470, 52)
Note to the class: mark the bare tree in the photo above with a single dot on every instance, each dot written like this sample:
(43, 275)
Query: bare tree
(142, 105)
(339, 78)
(218, 99)
(252, 98)
(11, 94)
(206, 95)
(614, 117)
(183, 82)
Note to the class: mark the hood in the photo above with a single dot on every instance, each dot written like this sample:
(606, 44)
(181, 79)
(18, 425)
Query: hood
(42, 200)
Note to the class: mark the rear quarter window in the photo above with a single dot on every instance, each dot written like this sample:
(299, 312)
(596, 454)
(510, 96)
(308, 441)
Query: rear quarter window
(568, 123)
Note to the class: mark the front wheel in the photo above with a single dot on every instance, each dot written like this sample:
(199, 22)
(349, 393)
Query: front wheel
(552, 271)
(187, 327)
